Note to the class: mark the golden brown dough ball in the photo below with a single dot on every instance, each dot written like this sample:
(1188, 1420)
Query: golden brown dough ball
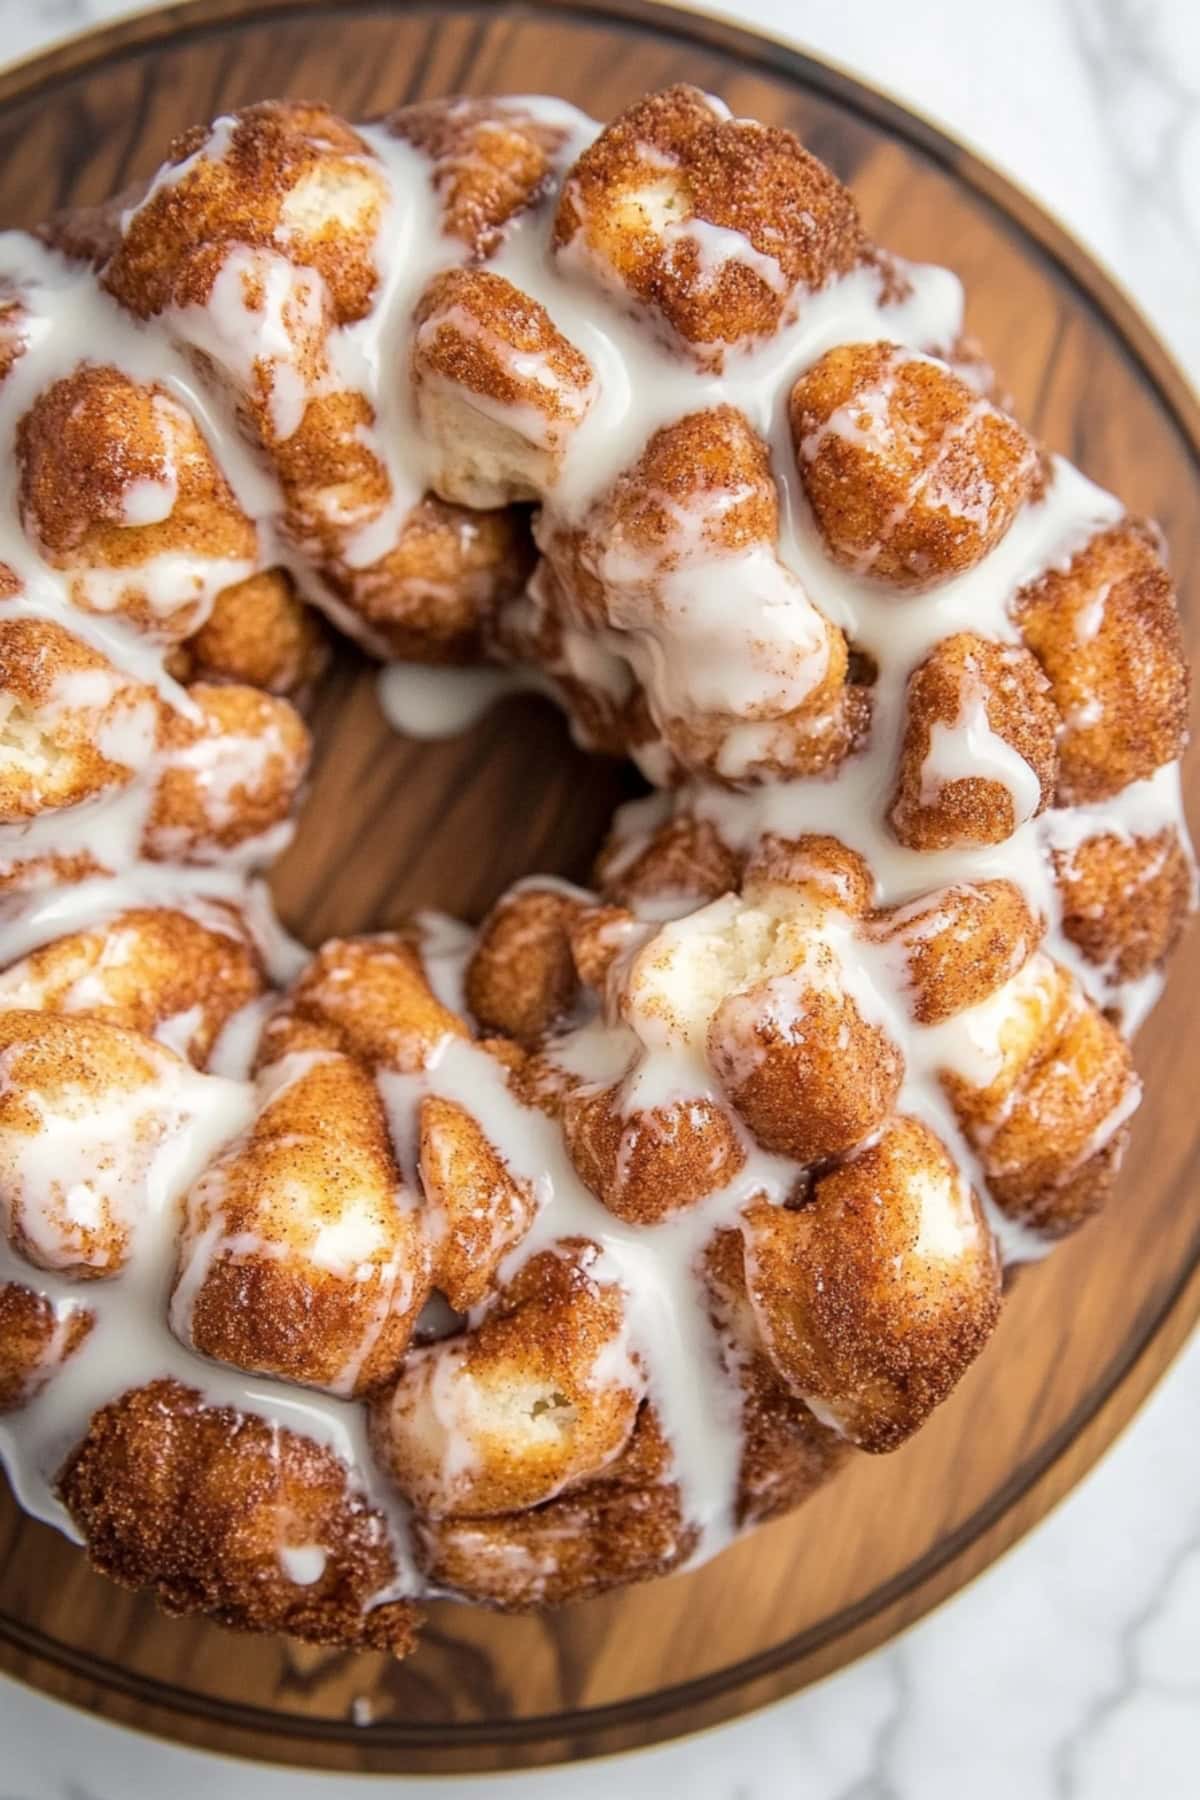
(751, 989)
(604, 1535)
(302, 1254)
(714, 225)
(959, 944)
(653, 564)
(368, 997)
(684, 860)
(787, 1454)
(489, 159)
(120, 491)
(36, 1339)
(598, 938)
(542, 1393)
(807, 1072)
(226, 1514)
(85, 1111)
(818, 873)
(711, 467)
(72, 726)
(979, 754)
(499, 390)
(1125, 899)
(911, 475)
(876, 1291)
(476, 1210)
(522, 978)
(151, 969)
(647, 1161)
(260, 634)
(431, 597)
(228, 770)
(1106, 632)
(283, 177)
(1047, 1114)
(540, 629)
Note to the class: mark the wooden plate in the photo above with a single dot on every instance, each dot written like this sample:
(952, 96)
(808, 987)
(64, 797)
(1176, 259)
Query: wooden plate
(390, 826)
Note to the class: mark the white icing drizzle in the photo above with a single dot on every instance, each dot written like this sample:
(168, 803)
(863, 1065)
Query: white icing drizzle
(431, 703)
(969, 747)
(658, 1266)
(700, 654)
(303, 1563)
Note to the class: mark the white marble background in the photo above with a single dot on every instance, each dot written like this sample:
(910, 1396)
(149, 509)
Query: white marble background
(1071, 1671)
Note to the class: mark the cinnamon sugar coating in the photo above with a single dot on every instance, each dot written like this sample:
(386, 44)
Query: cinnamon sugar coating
(302, 1255)
(218, 773)
(815, 872)
(201, 1504)
(369, 997)
(489, 161)
(228, 773)
(72, 726)
(912, 475)
(14, 330)
(1126, 899)
(648, 1161)
(153, 970)
(522, 977)
(115, 482)
(1049, 1127)
(90, 234)
(284, 178)
(599, 937)
(23, 876)
(701, 503)
(879, 1288)
(475, 1209)
(36, 1339)
(960, 944)
(440, 569)
(606, 709)
(306, 1254)
(112, 1100)
(1106, 632)
(709, 464)
(540, 1394)
(715, 226)
(625, 1524)
(752, 994)
(971, 688)
(259, 634)
(684, 860)
(432, 597)
(807, 1072)
(498, 388)
(787, 1454)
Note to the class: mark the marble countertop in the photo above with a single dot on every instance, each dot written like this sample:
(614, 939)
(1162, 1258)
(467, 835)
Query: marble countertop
(1071, 1670)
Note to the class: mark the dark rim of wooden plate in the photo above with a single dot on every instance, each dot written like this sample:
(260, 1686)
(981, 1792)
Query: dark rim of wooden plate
(1034, 1486)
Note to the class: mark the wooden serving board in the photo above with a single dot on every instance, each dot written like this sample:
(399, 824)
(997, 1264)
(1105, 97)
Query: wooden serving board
(391, 825)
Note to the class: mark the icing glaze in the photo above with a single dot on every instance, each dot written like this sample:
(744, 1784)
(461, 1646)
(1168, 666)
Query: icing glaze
(737, 632)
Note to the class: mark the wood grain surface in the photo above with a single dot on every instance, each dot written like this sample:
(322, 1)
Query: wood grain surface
(391, 825)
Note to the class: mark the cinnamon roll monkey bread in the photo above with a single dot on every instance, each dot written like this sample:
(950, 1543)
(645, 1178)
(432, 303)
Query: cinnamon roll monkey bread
(521, 1262)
